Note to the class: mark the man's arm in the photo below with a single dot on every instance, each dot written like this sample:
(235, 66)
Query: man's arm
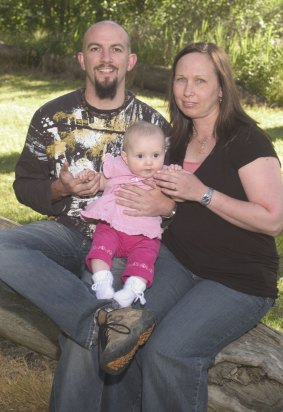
(33, 185)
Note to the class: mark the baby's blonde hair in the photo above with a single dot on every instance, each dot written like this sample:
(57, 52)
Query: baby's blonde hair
(143, 127)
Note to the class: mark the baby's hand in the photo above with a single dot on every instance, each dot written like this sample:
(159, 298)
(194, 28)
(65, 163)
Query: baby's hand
(174, 167)
(86, 175)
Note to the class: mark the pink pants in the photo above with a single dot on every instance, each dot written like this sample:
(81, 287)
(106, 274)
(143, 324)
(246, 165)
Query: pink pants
(141, 252)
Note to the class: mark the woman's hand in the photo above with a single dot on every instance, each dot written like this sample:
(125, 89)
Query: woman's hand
(180, 184)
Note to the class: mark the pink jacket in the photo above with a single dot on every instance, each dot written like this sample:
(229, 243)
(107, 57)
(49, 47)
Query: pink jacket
(106, 209)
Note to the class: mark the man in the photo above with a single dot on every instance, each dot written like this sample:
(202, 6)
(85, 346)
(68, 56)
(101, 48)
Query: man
(44, 261)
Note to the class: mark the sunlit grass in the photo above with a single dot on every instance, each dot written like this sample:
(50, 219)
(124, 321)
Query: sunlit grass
(271, 120)
(274, 318)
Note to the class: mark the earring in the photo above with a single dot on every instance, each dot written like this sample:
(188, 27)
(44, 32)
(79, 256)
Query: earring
(220, 99)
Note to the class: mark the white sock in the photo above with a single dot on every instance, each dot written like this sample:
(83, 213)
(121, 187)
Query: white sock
(132, 291)
(103, 280)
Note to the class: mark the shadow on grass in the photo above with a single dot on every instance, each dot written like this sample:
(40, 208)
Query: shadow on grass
(275, 132)
(8, 162)
(36, 83)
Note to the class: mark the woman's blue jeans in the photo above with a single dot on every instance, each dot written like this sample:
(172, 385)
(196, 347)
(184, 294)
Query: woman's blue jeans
(170, 372)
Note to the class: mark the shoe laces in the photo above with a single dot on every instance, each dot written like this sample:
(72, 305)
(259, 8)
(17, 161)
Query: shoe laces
(99, 283)
(135, 287)
(106, 327)
(140, 297)
(94, 286)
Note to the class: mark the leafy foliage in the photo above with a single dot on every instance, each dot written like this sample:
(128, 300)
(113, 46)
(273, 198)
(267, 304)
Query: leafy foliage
(251, 31)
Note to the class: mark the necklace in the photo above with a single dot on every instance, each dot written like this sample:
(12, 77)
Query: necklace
(202, 142)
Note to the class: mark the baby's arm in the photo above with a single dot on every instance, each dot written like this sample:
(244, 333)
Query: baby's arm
(102, 182)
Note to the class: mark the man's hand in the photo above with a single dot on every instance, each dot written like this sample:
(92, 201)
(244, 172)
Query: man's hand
(143, 202)
(68, 185)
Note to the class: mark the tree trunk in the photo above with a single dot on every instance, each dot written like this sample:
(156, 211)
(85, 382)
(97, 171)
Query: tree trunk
(156, 79)
(147, 76)
(247, 375)
(22, 322)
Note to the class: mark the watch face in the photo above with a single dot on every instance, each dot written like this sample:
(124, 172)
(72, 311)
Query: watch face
(205, 200)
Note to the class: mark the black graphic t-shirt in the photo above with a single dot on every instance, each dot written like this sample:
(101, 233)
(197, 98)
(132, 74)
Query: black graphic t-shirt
(68, 129)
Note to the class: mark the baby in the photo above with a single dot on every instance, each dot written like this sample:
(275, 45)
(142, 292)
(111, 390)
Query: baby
(137, 238)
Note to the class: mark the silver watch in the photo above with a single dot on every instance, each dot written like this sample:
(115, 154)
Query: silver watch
(172, 214)
(206, 198)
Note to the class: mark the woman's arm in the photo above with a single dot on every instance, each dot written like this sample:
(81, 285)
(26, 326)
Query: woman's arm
(262, 182)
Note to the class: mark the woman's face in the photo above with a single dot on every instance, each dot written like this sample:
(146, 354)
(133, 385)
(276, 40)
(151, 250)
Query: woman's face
(196, 87)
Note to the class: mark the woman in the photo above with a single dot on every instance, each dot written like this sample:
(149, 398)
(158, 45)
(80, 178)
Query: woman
(219, 249)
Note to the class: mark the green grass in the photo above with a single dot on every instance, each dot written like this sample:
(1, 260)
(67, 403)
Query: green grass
(20, 96)
(22, 93)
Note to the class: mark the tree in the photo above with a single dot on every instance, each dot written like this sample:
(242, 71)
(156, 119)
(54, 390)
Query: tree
(251, 31)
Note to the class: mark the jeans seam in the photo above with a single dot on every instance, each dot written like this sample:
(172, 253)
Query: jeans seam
(198, 381)
(90, 340)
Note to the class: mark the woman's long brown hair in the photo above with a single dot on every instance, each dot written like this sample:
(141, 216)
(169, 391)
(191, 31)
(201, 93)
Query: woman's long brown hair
(231, 112)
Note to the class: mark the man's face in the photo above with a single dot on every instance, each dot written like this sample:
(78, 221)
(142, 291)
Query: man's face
(106, 59)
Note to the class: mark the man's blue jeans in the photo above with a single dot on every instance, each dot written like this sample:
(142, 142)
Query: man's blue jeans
(43, 261)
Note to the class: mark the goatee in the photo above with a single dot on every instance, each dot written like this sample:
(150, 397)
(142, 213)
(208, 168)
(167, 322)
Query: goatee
(106, 90)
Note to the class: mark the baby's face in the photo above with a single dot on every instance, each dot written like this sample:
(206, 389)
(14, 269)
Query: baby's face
(145, 154)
